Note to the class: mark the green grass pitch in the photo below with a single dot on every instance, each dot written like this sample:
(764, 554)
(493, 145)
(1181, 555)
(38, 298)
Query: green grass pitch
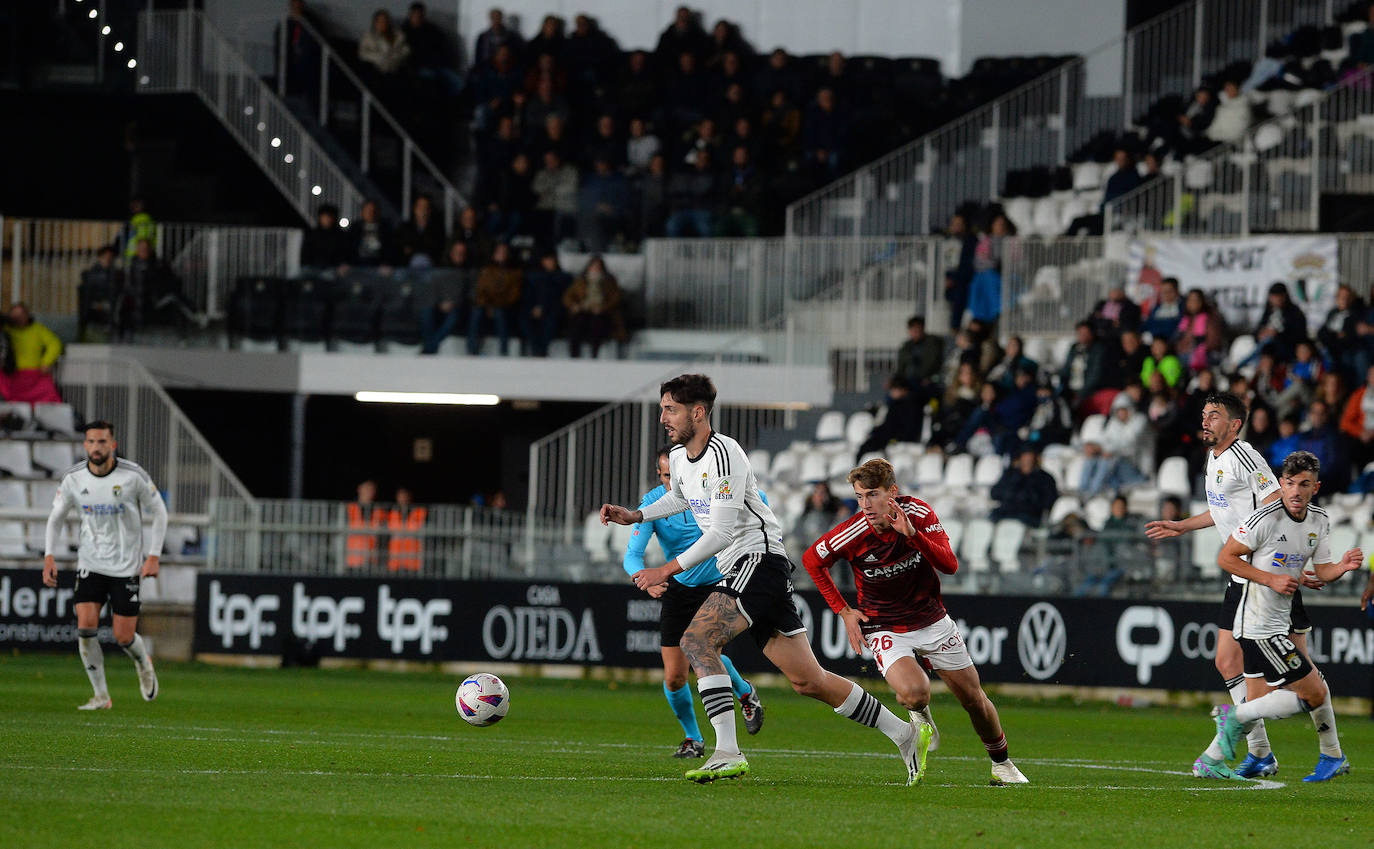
(345, 758)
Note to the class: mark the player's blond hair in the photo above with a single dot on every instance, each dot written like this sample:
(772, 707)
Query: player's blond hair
(875, 474)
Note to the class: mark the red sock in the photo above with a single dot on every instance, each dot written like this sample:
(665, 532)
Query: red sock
(997, 749)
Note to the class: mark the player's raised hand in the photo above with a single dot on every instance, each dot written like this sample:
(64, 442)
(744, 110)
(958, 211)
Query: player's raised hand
(1164, 529)
(1353, 559)
(1285, 584)
(49, 571)
(901, 522)
(619, 515)
(852, 618)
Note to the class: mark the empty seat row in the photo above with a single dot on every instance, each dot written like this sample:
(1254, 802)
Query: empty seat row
(21, 458)
(19, 418)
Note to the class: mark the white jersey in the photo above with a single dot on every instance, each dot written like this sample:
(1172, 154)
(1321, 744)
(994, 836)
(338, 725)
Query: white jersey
(1237, 483)
(113, 507)
(720, 489)
(1280, 545)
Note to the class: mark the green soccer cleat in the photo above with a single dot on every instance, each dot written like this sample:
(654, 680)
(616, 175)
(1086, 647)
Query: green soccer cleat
(719, 767)
(1229, 729)
(1205, 767)
(914, 751)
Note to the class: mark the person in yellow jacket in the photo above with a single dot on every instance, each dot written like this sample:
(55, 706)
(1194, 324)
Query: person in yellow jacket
(141, 228)
(35, 349)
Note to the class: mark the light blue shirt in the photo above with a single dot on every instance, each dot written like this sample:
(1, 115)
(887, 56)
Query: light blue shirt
(675, 533)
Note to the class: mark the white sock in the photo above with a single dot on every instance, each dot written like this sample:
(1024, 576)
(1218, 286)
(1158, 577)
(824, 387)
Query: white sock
(88, 644)
(1324, 720)
(864, 709)
(1257, 739)
(1275, 705)
(1214, 751)
(719, 700)
(136, 650)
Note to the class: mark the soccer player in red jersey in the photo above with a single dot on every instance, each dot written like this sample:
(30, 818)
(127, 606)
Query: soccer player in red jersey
(895, 544)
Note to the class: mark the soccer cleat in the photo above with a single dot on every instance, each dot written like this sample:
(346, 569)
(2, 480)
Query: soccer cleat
(1205, 767)
(719, 767)
(690, 749)
(1229, 729)
(147, 679)
(923, 715)
(1327, 768)
(1253, 767)
(1007, 773)
(752, 709)
(913, 751)
(96, 703)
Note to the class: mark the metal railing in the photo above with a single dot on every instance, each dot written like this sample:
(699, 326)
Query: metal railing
(376, 127)
(1049, 285)
(915, 188)
(1272, 180)
(151, 430)
(46, 257)
(182, 51)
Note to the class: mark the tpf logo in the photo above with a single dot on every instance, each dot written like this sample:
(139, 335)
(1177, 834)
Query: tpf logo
(1041, 641)
(407, 619)
(233, 616)
(1144, 656)
(322, 618)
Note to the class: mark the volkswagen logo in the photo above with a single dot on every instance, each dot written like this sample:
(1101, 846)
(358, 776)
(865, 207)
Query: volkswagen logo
(1041, 641)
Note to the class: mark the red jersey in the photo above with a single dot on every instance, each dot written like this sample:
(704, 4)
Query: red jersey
(899, 589)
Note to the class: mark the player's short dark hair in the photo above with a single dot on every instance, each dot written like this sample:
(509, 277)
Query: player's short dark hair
(875, 474)
(916, 320)
(1299, 462)
(663, 452)
(1231, 403)
(691, 390)
(99, 424)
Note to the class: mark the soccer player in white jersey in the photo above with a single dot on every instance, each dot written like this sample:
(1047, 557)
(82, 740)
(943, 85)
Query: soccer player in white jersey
(1238, 481)
(712, 477)
(1280, 540)
(114, 496)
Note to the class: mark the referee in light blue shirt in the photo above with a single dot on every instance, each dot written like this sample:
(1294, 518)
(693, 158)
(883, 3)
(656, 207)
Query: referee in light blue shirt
(681, 597)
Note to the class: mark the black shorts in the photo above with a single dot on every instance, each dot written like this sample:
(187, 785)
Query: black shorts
(677, 607)
(761, 585)
(1275, 659)
(1298, 621)
(122, 593)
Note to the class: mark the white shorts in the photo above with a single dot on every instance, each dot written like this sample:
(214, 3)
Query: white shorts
(940, 643)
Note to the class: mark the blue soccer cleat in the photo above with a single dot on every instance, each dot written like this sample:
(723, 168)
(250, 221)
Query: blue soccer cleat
(1253, 767)
(1229, 729)
(1328, 767)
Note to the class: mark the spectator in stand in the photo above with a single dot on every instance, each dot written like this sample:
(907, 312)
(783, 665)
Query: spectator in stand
(1164, 414)
(541, 303)
(494, 37)
(1307, 364)
(654, 198)
(1289, 439)
(693, 196)
(139, 226)
(1050, 422)
(984, 422)
(742, 134)
(985, 342)
(327, 247)
(1260, 430)
(606, 143)
(1323, 439)
(703, 136)
(366, 519)
(1167, 313)
(1126, 359)
(1331, 389)
(733, 106)
(727, 41)
(1124, 180)
(494, 83)
(1163, 361)
(1115, 314)
(604, 207)
(1232, 116)
(1084, 371)
(638, 88)
(383, 46)
(904, 420)
(1011, 412)
(429, 53)
(1194, 121)
(101, 286)
(35, 350)
(545, 103)
(740, 211)
(1282, 325)
(683, 36)
(780, 125)
(822, 510)
(825, 134)
(985, 289)
(471, 232)
(1357, 421)
(588, 55)
(1013, 361)
(593, 306)
(554, 137)
(1111, 461)
(453, 290)
(494, 154)
(779, 74)
(405, 548)
(960, 400)
(919, 360)
(302, 53)
(685, 95)
(499, 284)
(555, 207)
(153, 294)
(1203, 324)
(512, 213)
(960, 244)
(1025, 491)
(1339, 332)
(640, 147)
(373, 243)
(549, 42)
(422, 238)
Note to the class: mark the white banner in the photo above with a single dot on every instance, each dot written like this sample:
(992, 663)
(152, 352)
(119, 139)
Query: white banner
(1237, 273)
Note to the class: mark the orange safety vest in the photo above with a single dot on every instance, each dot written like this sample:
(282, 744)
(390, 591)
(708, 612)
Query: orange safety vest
(362, 547)
(404, 552)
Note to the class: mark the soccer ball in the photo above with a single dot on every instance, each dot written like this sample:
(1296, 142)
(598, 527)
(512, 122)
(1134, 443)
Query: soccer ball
(482, 699)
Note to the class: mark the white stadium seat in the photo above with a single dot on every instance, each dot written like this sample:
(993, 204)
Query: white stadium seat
(1087, 175)
(1206, 547)
(1045, 218)
(20, 410)
(1064, 506)
(15, 458)
(620, 540)
(1091, 429)
(596, 537)
(1173, 477)
(14, 494)
(974, 550)
(830, 426)
(1343, 538)
(54, 457)
(814, 467)
(56, 418)
(12, 539)
(840, 466)
(959, 472)
(1097, 511)
(1006, 545)
(930, 471)
(857, 428)
(954, 528)
(988, 471)
(786, 466)
(1242, 347)
(760, 461)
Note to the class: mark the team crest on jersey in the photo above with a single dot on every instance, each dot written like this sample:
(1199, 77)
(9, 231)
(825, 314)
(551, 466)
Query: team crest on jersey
(1220, 473)
(116, 489)
(1311, 540)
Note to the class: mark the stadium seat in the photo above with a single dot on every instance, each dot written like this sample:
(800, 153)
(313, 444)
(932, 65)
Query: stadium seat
(1242, 347)
(1091, 429)
(15, 459)
(930, 471)
(815, 466)
(1173, 477)
(596, 537)
(1073, 473)
(974, 550)
(761, 461)
(15, 415)
(1097, 511)
(41, 494)
(1038, 348)
(1064, 506)
(1087, 175)
(988, 471)
(620, 540)
(839, 468)
(1020, 211)
(786, 465)
(12, 539)
(54, 457)
(857, 428)
(14, 494)
(1007, 536)
(830, 427)
(959, 472)
(954, 528)
(1342, 539)
(57, 419)
(1061, 353)
(1206, 547)
(1045, 218)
